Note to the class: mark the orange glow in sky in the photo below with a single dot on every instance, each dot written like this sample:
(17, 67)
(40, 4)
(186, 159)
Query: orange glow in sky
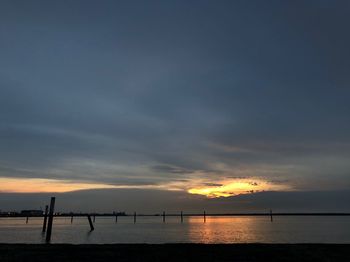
(235, 187)
(222, 189)
(39, 185)
(36, 185)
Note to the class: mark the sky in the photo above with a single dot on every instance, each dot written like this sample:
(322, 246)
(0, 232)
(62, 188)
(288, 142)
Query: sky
(223, 105)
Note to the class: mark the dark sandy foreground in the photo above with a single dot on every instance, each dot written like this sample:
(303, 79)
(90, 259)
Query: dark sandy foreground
(175, 252)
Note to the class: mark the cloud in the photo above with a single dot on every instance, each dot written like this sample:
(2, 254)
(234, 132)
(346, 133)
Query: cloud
(163, 94)
(171, 169)
(155, 201)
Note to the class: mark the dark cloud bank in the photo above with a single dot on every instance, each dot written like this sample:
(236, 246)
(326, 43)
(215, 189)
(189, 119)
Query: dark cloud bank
(155, 201)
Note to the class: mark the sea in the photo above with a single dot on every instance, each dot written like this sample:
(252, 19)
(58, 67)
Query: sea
(152, 230)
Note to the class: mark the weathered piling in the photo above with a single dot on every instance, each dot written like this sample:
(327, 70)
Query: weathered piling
(116, 218)
(90, 223)
(27, 220)
(182, 217)
(45, 218)
(204, 217)
(163, 216)
(271, 217)
(49, 225)
(134, 217)
(71, 219)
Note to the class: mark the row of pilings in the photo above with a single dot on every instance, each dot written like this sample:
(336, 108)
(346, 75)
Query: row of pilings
(49, 215)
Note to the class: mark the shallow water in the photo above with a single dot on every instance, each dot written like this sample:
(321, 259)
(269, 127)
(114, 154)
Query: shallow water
(311, 229)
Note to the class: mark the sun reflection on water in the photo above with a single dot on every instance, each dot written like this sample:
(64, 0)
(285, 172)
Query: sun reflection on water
(225, 229)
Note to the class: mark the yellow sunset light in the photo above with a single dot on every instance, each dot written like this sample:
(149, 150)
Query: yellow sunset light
(237, 187)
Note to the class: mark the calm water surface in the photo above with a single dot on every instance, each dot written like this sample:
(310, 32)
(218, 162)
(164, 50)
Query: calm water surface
(312, 229)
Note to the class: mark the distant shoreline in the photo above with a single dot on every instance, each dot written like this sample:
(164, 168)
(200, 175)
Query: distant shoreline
(174, 252)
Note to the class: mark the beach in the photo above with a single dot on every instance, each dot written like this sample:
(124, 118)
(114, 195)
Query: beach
(174, 252)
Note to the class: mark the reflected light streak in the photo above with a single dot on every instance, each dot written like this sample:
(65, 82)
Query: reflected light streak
(224, 229)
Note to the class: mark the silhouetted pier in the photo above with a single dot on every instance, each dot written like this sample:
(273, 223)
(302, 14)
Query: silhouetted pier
(50, 214)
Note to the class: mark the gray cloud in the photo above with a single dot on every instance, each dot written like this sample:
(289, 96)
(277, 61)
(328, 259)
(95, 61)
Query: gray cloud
(149, 93)
(155, 201)
(171, 169)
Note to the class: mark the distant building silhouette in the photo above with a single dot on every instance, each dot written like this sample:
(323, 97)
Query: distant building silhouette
(32, 212)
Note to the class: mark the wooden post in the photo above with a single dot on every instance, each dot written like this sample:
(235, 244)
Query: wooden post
(204, 217)
(163, 216)
(271, 218)
(49, 225)
(90, 223)
(134, 217)
(45, 218)
(182, 217)
(27, 220)
(71, 219)
(116, 218)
